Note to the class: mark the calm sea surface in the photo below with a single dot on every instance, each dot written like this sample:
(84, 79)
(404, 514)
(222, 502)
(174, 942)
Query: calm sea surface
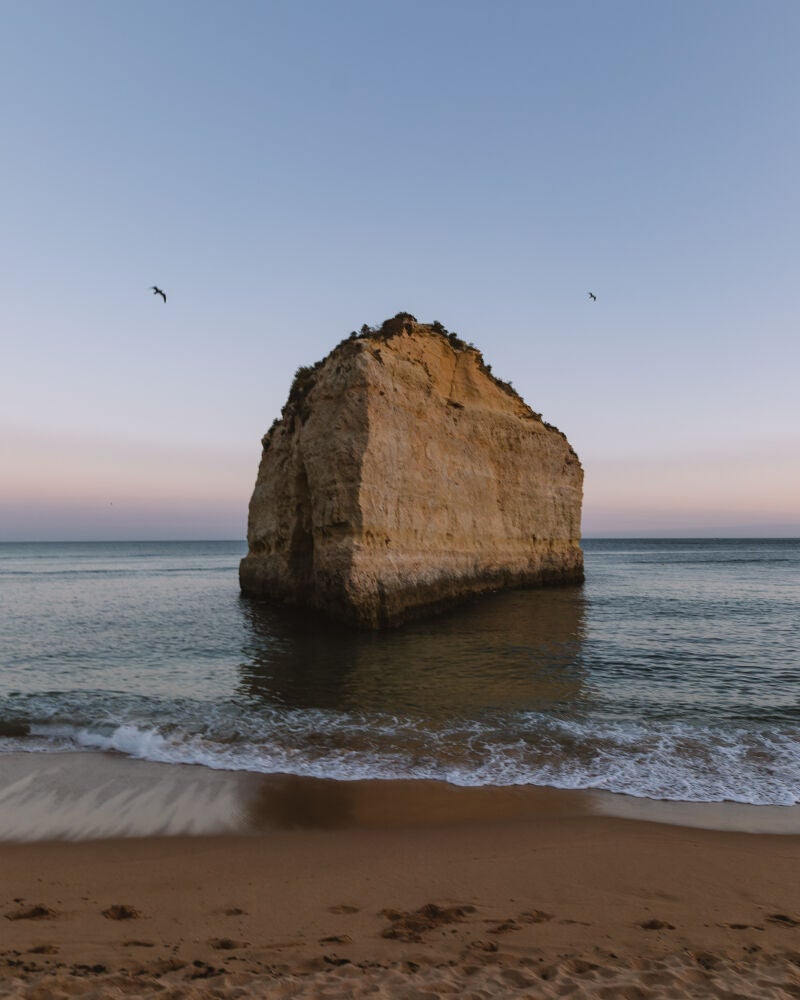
(673, 673)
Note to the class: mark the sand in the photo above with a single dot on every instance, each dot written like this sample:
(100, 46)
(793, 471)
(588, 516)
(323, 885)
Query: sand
(404, 891)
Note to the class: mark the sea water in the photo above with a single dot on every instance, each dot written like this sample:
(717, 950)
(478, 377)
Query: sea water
(672, 673)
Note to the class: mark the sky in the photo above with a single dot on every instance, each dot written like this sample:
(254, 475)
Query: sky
(289, 171)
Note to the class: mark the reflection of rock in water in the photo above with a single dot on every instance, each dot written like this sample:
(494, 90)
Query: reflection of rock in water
(512, 651)
(288, 662)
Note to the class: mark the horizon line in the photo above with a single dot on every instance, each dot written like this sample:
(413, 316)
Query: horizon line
(616, 537)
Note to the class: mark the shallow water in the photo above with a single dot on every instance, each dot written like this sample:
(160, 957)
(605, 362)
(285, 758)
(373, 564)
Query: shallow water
(672, 673)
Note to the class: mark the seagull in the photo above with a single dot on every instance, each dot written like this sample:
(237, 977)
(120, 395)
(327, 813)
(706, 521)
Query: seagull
(591, 295)
(157, 291)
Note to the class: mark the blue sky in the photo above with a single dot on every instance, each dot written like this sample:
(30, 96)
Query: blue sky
(288, 171)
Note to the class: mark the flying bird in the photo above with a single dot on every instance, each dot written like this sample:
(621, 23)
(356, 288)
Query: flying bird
(591, 295)
(157, 291)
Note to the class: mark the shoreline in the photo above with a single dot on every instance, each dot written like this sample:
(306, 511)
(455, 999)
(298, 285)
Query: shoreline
(397, 892)
(88, 795)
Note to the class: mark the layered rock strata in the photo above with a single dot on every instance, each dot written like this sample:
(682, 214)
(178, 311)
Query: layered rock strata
(403, 477)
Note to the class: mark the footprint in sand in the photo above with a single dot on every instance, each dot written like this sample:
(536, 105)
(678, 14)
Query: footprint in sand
(656, 925)
(335, 960)
(165, 965)
(336, 939)
(411, 925)
(782, 918)
(38, 912)
(479, 945)
(202, 970)
(514, 923)
(707, 959)
(343, 908)
(227, 944)
(43, 949)
(121, 911)
(504, 927)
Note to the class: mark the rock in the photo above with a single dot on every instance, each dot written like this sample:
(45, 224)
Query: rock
(403, 477)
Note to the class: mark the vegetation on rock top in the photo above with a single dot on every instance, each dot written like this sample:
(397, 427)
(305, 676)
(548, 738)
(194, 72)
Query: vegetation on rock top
(402, 323)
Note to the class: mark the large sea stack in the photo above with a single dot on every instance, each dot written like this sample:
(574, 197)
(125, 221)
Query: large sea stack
(403, 477)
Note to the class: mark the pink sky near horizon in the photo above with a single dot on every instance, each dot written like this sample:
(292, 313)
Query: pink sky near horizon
(66, 488)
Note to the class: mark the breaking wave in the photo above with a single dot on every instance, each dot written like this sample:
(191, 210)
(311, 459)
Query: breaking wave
(675, 762)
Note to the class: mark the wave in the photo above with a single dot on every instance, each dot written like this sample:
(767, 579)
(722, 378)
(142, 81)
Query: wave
(664, 761)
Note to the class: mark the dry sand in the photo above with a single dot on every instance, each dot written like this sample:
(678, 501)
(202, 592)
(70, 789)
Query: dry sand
(405, 891)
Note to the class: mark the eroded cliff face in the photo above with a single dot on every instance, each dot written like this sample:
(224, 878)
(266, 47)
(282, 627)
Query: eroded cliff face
(402, 477)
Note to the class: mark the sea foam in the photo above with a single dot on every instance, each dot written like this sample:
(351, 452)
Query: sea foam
(657, 761)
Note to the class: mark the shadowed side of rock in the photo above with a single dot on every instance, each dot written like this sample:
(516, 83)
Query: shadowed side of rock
(402, 478)
(304, 518)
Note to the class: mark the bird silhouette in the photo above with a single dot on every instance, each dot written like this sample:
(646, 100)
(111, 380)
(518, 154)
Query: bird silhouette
(591, 295)
(157, 291)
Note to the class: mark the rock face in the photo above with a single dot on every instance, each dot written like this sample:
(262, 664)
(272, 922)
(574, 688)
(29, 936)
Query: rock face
(402, 477)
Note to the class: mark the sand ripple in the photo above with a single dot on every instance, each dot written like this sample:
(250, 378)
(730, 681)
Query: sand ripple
(684, 975)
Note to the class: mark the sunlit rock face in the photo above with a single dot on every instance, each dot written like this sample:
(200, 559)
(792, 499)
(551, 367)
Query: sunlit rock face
(403, 477)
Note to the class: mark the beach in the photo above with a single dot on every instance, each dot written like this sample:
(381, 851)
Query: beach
(400, 501)
(583, 791)
(398, 889)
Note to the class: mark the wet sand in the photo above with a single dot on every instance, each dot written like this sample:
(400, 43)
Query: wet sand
(389, 890)
(76, 796)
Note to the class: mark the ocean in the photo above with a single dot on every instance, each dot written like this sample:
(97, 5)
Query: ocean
(673, 673)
